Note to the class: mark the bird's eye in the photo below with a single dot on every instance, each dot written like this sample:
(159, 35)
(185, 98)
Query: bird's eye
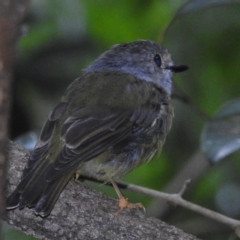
(158, 60)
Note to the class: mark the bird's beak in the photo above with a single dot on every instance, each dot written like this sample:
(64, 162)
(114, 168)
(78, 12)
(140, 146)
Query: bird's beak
(177, 68)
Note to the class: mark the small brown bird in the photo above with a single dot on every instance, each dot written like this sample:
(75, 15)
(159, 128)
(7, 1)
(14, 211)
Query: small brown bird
(113, 118)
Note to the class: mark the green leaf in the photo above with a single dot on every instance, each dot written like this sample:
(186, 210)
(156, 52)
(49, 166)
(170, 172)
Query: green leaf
(221, 136)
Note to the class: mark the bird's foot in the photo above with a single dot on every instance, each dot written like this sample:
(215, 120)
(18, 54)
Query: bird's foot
(76, 176)
(124, 203)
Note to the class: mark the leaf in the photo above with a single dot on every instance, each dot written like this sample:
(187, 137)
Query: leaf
(202, 4)
(221, 136)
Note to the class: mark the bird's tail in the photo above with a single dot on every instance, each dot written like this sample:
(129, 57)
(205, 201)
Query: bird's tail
(35, 192)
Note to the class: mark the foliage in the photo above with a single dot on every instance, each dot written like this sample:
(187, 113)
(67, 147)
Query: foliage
(64, 36)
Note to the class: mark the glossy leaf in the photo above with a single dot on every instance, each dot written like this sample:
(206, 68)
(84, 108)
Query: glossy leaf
(221, 136)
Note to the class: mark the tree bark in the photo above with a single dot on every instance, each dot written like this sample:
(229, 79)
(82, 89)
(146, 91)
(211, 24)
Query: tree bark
(84, 213)
(11, 13)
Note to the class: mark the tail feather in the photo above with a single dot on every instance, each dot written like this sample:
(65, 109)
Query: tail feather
(49, 197)
(13, 201)
(35, 192)
(32, 189)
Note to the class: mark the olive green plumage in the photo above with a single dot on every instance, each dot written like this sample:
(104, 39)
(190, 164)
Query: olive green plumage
(107, 123)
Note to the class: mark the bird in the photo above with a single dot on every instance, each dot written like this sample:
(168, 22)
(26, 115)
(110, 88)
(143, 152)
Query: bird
(113, 118)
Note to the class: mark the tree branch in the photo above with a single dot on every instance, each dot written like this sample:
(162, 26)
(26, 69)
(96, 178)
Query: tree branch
(11, 13)
(177, 199)
(193, 168)
(84, 213)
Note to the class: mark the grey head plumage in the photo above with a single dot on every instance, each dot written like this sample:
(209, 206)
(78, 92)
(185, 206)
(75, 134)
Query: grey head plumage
(145, 59)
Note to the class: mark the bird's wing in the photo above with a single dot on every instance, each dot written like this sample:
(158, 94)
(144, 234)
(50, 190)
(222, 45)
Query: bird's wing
(90, 127)
(86, 134)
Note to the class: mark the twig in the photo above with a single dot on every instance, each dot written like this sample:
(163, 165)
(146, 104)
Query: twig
(185, 186)
(194, 166)
(177, 199)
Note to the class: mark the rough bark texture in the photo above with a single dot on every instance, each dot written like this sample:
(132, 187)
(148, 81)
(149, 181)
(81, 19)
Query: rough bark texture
(84, 213)
(11, 13)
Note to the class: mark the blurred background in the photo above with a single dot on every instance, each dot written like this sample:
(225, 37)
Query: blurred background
(62, 37)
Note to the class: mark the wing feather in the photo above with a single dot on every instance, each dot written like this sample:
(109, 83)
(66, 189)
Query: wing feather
(90, 141)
